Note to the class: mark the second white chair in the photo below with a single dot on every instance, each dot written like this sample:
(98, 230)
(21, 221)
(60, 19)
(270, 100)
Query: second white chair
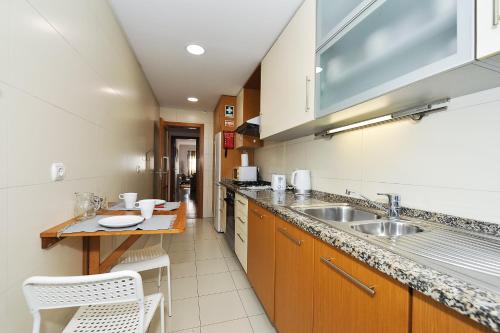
(111, 302)
(147, 258)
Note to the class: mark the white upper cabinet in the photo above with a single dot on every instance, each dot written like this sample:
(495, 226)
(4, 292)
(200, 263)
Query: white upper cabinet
(488, 28)
(388, 44)
(287, 75)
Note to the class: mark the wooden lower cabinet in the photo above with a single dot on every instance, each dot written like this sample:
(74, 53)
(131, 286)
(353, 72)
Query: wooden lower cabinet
(293, 309)
(342, 304)
(307, 286)
(260, 255)
(428, 316)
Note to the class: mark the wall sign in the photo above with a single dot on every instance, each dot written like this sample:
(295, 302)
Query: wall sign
(228, 123)
(229, 111)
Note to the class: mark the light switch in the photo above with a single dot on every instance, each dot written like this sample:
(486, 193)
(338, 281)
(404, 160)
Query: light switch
(58, 171)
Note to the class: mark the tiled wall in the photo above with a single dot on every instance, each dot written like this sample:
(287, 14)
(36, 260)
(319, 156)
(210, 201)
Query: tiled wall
(448, 162)
(70, 91)
(207, 119)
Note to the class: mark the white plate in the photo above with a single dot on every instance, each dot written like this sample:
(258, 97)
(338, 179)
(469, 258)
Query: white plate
(159, 202)
(121, 221)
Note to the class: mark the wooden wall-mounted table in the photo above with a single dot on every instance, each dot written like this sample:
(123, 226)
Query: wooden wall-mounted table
(91, 263)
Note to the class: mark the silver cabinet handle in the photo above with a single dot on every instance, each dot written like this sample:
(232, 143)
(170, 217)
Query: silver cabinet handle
(307, 93)
(369, 289)
(297, 242)
(239, 218)
(496, 13)
(239, 236)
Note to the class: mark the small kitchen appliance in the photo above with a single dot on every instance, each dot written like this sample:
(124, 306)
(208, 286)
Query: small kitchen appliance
(278, 182)
(301, 181)
(247, 173)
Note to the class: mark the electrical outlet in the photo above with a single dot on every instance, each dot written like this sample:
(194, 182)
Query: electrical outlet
(58, 171)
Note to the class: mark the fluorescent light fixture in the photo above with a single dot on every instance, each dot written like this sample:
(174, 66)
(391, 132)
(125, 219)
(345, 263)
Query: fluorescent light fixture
(195, 49)
(192, 99)
(319, 70)
(360, 124)
(415, 113)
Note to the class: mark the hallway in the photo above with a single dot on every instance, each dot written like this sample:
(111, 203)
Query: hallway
(210, 290)
(191, 204)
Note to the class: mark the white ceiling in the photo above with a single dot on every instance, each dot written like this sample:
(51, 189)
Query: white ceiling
(235, 33)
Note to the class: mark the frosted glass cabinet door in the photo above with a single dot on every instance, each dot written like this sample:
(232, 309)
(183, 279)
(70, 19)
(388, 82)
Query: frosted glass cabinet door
(392, 44)
(333, 14)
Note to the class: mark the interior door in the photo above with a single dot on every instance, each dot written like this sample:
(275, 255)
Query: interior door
(156, 161)
(165, 166)
(161, 178)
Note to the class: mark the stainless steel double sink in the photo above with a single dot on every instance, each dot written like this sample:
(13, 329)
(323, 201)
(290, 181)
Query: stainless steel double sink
(359, 220)
(470, 256)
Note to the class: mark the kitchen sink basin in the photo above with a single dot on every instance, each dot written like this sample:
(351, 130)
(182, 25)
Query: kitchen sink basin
(338, 213)
(387, 228)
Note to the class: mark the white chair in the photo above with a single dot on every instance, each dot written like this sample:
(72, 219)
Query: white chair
(150, 257)
(111, 302)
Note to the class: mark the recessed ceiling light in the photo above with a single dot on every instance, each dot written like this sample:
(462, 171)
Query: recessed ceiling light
(193, 99)
(195, 49)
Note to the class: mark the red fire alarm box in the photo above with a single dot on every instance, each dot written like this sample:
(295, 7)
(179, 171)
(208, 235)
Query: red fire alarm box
(228, 140)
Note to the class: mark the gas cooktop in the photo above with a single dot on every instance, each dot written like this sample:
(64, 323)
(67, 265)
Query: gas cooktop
(252, 185)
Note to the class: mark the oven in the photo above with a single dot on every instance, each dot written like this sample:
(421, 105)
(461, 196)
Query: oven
(230, 227)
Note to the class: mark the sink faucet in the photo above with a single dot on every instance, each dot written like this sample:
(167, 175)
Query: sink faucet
(394, 205)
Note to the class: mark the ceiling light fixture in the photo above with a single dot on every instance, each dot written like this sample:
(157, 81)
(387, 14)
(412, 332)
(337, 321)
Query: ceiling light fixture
(192, 99)
(195, 49)
(415, 113)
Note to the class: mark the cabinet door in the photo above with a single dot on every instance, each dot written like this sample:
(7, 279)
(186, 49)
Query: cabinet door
(390, 45)
(247, 142)
(240, 246)
(488, 28)
(333, 15)
(287, 75)
(260, 255)
(428, 316)
(293, 310)
(350, 297)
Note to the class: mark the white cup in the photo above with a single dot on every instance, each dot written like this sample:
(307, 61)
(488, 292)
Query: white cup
(129, 199)
(147, 207)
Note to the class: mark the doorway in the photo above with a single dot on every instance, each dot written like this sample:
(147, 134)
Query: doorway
(179, 170)
(184, 152)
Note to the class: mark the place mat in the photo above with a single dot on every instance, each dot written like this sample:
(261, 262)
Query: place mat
(168, 206)
(156, 222)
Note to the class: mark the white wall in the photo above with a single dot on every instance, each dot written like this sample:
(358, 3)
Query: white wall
(207, 119)
(70, 91)
(449, 162)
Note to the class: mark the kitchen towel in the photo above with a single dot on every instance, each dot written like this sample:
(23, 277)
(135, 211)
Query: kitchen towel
(166, 207)
(157, 222)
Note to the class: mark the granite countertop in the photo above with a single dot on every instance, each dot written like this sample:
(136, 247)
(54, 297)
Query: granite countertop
(477, 303)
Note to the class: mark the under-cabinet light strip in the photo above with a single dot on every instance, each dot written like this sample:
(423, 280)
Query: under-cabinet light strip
(415, 113)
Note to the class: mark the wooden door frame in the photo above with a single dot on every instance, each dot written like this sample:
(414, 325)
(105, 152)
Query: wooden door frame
(199, 159)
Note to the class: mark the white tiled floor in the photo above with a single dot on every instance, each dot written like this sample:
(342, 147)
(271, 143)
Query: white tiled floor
(210, 290)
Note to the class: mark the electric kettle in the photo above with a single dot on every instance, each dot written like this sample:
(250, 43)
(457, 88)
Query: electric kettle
(301, 181)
